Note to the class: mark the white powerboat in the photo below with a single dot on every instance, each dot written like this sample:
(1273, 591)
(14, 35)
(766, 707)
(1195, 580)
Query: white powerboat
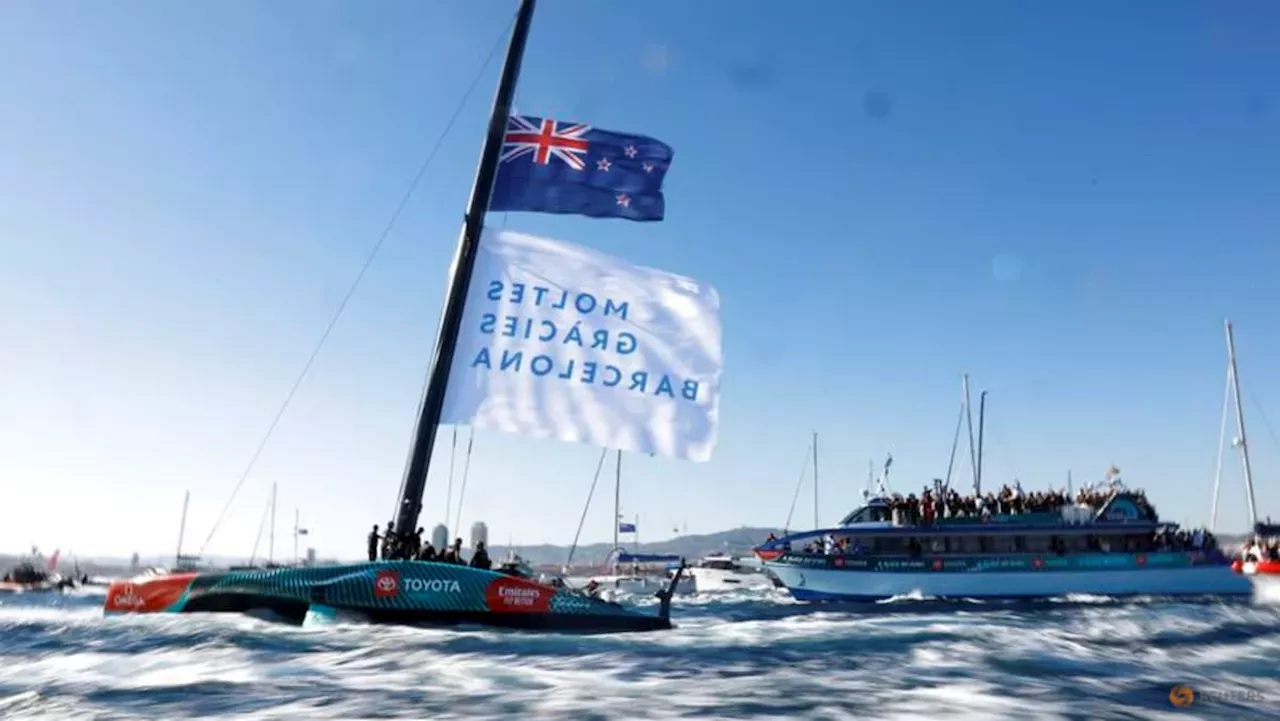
(636, 574)
(719, 572)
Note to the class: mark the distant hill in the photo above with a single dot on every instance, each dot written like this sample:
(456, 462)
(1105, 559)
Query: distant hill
(737, 541)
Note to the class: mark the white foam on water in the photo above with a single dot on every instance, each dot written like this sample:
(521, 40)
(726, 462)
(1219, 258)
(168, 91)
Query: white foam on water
(738, 656)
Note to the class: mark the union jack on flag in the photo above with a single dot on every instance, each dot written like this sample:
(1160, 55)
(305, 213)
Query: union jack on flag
(546, 139)
(550, 166)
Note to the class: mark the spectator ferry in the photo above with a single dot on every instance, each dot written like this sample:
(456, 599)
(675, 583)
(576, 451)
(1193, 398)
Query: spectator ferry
(1106, 542)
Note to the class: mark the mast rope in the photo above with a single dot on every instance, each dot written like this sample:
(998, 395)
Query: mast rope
(581, 521)
(466, 469)
(266, 512)
(448, 499)
(1265, 423)
(786, 528)
(368, 261)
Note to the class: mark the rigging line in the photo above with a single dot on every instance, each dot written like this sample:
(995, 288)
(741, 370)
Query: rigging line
(448, 499)
(581, 521)
(955, 443)
(258, 538)
(368, 261)
(1265, 423)
(787, 527)
(1222, 444)
(466, 469)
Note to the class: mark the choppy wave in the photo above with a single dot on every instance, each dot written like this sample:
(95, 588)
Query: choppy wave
(733, 656)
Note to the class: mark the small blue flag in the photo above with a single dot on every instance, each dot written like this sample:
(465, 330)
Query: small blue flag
(549, 166)
(626, 528)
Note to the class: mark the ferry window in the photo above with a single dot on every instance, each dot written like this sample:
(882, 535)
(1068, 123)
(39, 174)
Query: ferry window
(984, 544)
(1037, 544)
(967, 544)
(1006, 544)
(867, 514)
(889, 545)
(1020, 543)
(1077, 543)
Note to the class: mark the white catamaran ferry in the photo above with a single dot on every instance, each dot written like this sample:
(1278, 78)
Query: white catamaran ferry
(1005, 545)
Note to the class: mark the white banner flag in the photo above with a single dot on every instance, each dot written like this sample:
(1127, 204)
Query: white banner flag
(562, 341)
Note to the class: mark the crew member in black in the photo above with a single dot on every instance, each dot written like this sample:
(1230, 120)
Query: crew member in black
(415, 545)
(373, 543)
(480, 559)
(453, 554)
(389, 542)
(428, 552)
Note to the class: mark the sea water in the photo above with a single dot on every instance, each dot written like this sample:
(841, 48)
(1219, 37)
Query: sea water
(733, 657)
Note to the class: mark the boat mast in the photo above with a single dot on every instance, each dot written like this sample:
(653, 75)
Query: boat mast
(815, 481)
(968, 413)
(271, 540)
(617, 498)
(414, 480)
(982, 423)
(182, 530)
(1244, 445)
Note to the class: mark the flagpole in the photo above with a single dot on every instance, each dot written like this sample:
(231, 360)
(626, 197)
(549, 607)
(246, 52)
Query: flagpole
(617, 498)
(424, 434)
(815, 480)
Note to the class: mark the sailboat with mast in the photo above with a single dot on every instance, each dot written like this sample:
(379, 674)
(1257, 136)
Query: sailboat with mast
(1259, 559)
(487, 378)
(633, 571)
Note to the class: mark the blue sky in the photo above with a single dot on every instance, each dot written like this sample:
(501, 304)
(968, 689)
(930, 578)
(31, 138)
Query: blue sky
(1062, 199)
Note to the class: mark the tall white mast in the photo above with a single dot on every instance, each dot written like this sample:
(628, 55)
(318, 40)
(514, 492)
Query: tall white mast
(968, 411)
(182, 529)
(1241, 440)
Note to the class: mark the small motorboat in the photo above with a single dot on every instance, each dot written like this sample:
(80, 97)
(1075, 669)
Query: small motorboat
(26, 577)
(641, 573)
(720, 572)
(1259, 559)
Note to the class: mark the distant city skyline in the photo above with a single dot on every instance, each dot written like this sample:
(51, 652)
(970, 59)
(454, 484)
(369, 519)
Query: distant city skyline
(1063, 201)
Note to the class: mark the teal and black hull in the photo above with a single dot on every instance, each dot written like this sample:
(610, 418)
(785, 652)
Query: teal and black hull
(402, 592)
